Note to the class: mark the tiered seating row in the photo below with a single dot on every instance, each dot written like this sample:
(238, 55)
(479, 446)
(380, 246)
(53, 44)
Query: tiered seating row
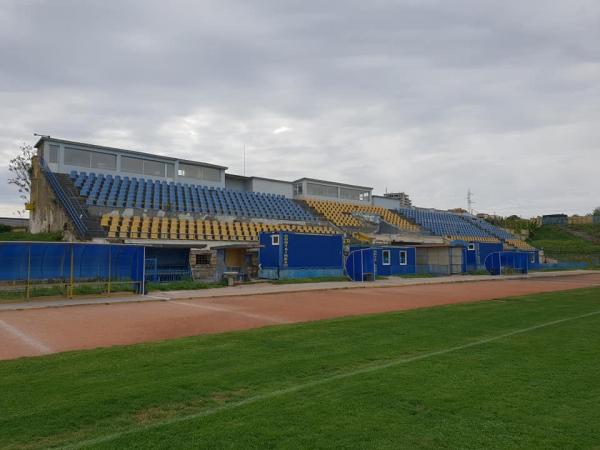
(521, 245)
(137, 227)
(491, 229)
(340, 214)
(442, 223)
(123, 192)
(491, 240)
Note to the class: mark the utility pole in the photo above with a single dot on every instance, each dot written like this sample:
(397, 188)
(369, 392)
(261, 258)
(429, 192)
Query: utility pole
(244, 160)
(470, 201)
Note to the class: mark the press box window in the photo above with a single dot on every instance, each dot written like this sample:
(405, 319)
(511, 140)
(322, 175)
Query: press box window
(104, 161)
(385, 258)
(76, 157)
(85, 158)
(403, 258)
(53, 153)
(203, 260)
(471, 247)
(275, 239)
(170, 170)
(199, 172)
(154, 168)
(132, 165)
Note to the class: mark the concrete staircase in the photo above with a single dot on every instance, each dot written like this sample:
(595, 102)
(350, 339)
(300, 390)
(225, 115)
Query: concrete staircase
(92, 223)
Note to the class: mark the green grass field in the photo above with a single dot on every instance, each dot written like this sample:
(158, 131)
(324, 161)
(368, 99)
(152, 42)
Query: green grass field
(511, 373)
(182, 285)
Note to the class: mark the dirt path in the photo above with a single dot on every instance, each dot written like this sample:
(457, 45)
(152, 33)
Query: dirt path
(50, 330)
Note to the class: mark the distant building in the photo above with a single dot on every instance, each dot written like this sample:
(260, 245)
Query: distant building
(14, 222)
(555, 219)
(403, 198)
(310, 188)
(458, 210)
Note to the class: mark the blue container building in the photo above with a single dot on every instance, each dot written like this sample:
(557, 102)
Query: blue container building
(285, 255)
(391, 260)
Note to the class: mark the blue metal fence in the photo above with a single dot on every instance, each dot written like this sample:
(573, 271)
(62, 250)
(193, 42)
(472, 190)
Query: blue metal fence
(42, 264)
(561, 266)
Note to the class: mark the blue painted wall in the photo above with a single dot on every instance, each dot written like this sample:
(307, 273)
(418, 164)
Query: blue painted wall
(534, 259)
(484, 249)
(268, 254)
(312, 250)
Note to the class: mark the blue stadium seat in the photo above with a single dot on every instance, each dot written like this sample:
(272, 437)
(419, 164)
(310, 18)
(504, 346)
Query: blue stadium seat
(124, 192)
(443, 223)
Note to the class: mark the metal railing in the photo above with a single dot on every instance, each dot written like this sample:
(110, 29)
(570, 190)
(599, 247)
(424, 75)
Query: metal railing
(165, 273)
(75, 212)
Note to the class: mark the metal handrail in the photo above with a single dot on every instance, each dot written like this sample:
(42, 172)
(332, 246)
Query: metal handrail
(75, 212)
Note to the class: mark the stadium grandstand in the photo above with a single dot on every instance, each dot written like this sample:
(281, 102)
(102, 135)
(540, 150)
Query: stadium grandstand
(461, 227)
(107, 194)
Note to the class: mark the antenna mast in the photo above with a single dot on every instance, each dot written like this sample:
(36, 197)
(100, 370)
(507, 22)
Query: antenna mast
(470, 201)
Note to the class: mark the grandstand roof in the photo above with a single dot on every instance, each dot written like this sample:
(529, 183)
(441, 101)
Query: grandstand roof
(333, 182)
(244, 177)
(121, 150)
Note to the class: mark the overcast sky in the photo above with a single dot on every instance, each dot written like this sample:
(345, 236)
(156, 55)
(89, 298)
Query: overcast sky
(427, 97)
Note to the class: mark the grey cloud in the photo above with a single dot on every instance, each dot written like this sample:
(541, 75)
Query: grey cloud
(429, 97)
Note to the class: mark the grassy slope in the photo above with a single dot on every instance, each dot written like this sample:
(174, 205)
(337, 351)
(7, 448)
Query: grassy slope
(560, 244)
(592, 230)
(538, 389)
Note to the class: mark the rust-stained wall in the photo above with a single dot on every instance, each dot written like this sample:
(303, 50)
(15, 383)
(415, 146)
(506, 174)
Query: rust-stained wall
(47, 213)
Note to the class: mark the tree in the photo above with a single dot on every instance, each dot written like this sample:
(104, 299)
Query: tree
(20, 167)
(596, 211)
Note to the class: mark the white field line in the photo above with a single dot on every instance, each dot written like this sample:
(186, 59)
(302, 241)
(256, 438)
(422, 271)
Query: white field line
(158, 297)
(232, 311)
(25, 338)
(324, 380)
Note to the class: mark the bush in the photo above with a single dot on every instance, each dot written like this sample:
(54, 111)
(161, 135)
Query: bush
(26, 236)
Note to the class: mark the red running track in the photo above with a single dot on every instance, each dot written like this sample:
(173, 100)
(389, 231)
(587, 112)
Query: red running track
(42, 331)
